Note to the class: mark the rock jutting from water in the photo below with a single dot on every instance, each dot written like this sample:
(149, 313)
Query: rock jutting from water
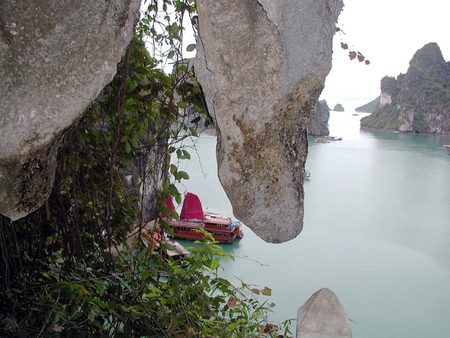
(338, 107)
(318, 121)
(418, 101)
(323, 316)
(369, 107)
(262, 65)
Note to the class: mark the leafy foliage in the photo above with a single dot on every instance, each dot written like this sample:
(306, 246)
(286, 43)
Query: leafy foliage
(420, 98)
(351, 53)
(70, 269)
(386, 117)
(389, 85)
(146, 296)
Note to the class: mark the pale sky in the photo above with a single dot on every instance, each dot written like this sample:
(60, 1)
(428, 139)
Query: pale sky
(388, 33)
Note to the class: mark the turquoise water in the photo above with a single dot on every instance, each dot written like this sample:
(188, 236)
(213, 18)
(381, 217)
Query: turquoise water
(376, 231)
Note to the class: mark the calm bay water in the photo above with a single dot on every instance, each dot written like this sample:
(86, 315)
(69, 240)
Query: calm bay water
(376, 231)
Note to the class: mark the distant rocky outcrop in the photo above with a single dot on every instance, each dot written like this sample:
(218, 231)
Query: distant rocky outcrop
(369, 107)
(338, 107)
(318, 122)
(418, 101)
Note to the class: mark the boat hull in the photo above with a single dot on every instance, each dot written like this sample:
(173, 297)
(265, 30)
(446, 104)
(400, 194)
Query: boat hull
(222, 233)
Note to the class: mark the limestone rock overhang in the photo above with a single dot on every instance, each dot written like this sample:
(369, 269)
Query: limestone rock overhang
(55, 57)
(262, 65)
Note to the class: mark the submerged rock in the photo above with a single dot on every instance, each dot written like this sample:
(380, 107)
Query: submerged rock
(55, 57)
(262, 65)
(322, 316)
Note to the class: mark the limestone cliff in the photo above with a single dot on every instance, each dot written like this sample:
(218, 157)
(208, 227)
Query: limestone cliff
(318, 122)
(371, 106)
(262, 65)
(418, 101)
(55, 57)
(338, 107)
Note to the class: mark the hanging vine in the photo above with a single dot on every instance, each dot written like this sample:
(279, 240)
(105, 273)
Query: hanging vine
(67, 270)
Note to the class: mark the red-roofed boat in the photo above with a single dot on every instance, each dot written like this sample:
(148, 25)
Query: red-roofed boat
(192, 217)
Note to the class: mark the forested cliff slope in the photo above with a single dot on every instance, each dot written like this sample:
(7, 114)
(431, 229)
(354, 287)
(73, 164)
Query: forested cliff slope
(418, 101)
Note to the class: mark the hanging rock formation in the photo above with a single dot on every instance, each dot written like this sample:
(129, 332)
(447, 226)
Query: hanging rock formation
(55, 57)
(262, 65)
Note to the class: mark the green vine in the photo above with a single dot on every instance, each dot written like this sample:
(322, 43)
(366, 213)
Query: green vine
(78, 266)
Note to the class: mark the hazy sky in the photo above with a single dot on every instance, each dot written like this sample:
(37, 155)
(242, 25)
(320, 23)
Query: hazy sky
(388, 33)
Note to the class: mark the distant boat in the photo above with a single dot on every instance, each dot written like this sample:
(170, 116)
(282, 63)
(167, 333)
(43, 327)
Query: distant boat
(355, 114)
(307, 174)
(321, 140)
(445, 148)
(192, 217)
(334, 138)
(177, 252)
(327, 139)
(155, 239)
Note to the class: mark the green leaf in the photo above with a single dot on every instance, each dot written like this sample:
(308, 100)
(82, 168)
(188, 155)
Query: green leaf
(198, 109)
(184, 175)
(191, 47)
(182, 105)
(352, 55)
(193, 132)
(186, 155)
(134, 141)
(215, 264)
(127, 147)
(100, 286)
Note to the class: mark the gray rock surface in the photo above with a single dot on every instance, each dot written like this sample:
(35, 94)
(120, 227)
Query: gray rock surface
(262, 65)
(371, 106)
(322, 316)
(55, 57)
(338, 107)
(318, 121)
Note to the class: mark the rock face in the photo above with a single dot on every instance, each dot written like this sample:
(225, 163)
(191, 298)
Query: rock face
(318, 122)
(418, 101)
(338, 107)
(55, 57)
(262, 66)
(322, 316)
(369, 107)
